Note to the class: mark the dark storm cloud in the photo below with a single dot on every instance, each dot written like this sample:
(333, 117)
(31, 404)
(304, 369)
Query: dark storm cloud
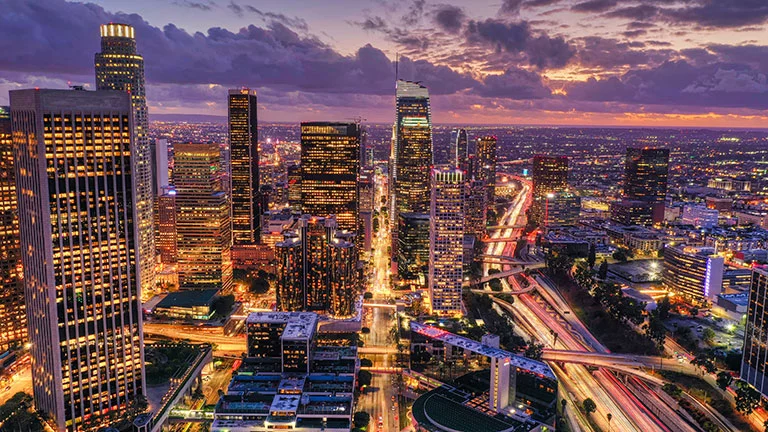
(682, 84)
(373, 23)
(722, 13)
(514, 83)
(592, 6)
(66, 37)
(449, 18)
(541, 51)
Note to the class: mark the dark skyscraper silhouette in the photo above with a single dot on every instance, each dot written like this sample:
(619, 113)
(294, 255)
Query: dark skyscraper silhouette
(645, 178)
(244, 165)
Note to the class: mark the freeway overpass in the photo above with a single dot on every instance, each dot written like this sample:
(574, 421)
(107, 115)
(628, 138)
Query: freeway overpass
(377, 350)
(618, 361)
(508, 273)
(501, 227)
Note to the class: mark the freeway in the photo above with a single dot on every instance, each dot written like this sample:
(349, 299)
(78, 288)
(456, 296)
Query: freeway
(535, 318)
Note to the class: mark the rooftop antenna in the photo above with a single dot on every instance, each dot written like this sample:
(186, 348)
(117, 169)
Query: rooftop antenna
(397, 65)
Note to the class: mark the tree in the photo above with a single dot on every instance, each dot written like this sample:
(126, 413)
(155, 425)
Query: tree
(364, 378)
(602, 272)
(694, 311)
(259, 285)
(361, 419)
(365, 330)
(495, 285)
(620, 255)
(609, 416)
(366, 362)
(368, 295)
(655, 329)
(708, 336)
(589, 406)
(663, 307)
(724, 379)
(765, 425)
(223, 305)
(592, 257)
(705, 360)
(563, 403)
(747, 397)
(534, 351)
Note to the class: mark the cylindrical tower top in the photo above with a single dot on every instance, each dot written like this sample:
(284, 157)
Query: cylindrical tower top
(117, 30)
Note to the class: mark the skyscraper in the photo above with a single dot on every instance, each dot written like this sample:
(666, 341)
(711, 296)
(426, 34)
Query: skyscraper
(413, 248)
(119, 67)
(459, 145)
(244, 163)
(446, 240)
(76, 213)
(753, 364)
(330, 166)
(166, 227)
(294, 186)
(486, 165)
(645, 178)
(411, 154)
(550, 176)
(203, 224)
(13, 318)
(475, 207)
(317, 268)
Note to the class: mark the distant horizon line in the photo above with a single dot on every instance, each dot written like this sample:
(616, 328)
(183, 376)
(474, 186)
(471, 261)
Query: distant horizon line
(213, 118)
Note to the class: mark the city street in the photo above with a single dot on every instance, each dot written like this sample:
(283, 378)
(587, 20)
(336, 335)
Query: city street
(378, 400)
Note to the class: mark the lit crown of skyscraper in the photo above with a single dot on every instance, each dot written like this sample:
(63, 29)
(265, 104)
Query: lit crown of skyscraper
(411, 89)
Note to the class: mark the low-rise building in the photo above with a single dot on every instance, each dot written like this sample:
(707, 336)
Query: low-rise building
(192, 304)
(694, 273)
(292, 379)
(699, 216)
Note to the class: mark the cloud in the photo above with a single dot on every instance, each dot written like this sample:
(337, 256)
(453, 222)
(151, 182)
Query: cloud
(205, 5)
(541, 51)
(294, 22)
(449, 18)
(721, 13)
(591, 6)
(642, 12)
(510, 7)
(680, 84)
(514, 83)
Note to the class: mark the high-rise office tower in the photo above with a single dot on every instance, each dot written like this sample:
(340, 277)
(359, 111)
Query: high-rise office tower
(317, 268)
(13, 318)
(166, 226)
(550, 176)
(162, 169)
(119, 67)
(75, 186)
(446, 240)
(411, 154)
(486, 165)
(460, 147)
(203, 224)
(330, 166)
(645, 178)
(413, 248)
(244, 165)
(294, 186)
(475, 207)
(754, 369)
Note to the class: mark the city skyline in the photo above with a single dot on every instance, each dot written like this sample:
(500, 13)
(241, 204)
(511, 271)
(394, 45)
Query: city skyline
(514, 62)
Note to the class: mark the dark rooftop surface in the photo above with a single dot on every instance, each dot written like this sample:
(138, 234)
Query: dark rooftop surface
(189, 298)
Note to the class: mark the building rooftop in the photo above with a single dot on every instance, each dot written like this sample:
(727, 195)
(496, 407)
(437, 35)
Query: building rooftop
(298, 325)
(188, 299)
(526, 364)
(739, 299)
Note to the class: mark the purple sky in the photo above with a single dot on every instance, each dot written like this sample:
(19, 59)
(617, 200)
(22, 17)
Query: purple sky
(601, 62)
